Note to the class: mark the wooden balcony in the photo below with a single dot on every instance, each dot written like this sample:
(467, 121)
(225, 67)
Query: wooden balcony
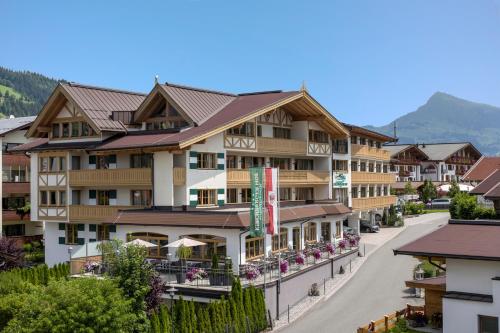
(95, 213)
(111, 177)
(362, 151)
(372, 178)
(241, 177)
(371, 203)
(281, 146)
(179, 176)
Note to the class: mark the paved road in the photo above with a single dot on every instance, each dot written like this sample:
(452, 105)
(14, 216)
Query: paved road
(376, 289)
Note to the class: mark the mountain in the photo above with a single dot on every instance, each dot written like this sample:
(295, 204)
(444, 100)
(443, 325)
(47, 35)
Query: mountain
(23, 93)
(446, 118)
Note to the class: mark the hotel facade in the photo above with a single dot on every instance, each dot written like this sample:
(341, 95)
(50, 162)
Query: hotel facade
(111, 164)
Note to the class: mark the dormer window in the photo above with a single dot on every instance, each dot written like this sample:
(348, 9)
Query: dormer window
(74, 129)
(318, 136)
(245, 129)
(55, 130)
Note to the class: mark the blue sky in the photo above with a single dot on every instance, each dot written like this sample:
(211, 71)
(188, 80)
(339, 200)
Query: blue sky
(367, 62)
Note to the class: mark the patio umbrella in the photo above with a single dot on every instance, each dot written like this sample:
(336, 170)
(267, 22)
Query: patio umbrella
(463, 188)
(140, 242)
(187, 242)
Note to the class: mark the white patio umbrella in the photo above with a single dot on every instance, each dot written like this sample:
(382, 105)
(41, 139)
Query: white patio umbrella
(140, 242)
(187, 242)
(463, 187)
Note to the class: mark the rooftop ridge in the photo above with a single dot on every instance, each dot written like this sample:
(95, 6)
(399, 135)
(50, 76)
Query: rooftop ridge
(261, 92)
(199, 89)
(87, 86)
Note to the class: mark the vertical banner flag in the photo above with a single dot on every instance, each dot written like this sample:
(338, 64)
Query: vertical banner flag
(272, 200)
(257, 206)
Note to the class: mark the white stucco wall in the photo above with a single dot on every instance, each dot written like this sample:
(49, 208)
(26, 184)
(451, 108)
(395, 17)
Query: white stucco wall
(472, 276)
(163, 179)
(207, 179)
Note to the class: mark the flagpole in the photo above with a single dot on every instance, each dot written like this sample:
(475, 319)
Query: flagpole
(265, 230)
(279, 232)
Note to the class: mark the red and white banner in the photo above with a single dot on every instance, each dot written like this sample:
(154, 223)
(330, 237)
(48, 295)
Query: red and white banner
(271, 194)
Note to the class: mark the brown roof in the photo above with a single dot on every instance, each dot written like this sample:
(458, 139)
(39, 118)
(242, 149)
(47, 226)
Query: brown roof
(358, 130)
(482, 168)
(472, 240)
(494, 192)
(434, 283)
(220, 218)
(15, 160)
(29, 145)
(488, 183)
(16, 188)
(99, 103)
(401, 185)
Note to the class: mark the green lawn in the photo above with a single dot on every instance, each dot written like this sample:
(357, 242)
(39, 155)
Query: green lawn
(11, 91)
(427, 211)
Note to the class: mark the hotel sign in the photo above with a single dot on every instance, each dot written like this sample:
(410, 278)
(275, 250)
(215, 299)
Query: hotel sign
(257, 204)
(340, 180)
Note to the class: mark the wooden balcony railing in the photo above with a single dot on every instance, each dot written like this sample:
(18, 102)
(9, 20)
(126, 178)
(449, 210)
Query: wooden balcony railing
(287, 177)
(281, 146)
(362, 151)
(111, 177)
(375, 202)
(372, 178)
(179, 176)
(95, 213)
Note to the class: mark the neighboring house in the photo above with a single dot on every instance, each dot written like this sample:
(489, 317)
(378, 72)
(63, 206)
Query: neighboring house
(406, 161)
(16, 180)
(471, 253)
(370, 178)
(489, 190)
(175, 162)
(482, 169)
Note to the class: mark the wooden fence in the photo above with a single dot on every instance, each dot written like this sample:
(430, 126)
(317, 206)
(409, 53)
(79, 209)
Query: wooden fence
(389, 321)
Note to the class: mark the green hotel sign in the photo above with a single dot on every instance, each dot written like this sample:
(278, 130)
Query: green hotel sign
(340, 180)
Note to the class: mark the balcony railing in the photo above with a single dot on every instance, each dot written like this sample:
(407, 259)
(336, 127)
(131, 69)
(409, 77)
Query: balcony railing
(358, 177)
(370, 203)
(287, 177)
(281, 146)
(95, 213)
(111, 177)
(363, 151)
(179, 176)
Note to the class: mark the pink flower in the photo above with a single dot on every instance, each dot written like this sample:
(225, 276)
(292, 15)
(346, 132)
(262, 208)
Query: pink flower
(330, 248)
(300, 259)
(284, 266)
(316, 253)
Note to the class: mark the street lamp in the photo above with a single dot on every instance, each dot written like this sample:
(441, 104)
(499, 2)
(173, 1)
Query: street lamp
(419, 275)
(169, 256)
(171, 291)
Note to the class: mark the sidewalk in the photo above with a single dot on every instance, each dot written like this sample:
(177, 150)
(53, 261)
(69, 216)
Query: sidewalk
(369, 243)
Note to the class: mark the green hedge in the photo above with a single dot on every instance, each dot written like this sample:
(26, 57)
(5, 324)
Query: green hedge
(11, 281)
(464, 206)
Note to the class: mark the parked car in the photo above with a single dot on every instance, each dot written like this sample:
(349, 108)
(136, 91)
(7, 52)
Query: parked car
(443, 203)
(347, 230)
(368, 227)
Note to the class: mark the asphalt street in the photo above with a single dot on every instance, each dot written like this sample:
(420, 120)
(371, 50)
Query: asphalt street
(377, 288)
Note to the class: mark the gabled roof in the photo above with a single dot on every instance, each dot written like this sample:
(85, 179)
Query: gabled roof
(482, 168)
(494, 192)
(95, 103)
(358, 130)
(488, 183)
(395, 149)
(11, 124)
(441, 151)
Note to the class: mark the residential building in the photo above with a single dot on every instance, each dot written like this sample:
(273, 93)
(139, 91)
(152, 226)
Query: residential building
(175, 162)
(489, 190)
(370, 179)
(15, 188)
(469, 251)
(406, 161)
(484, 167)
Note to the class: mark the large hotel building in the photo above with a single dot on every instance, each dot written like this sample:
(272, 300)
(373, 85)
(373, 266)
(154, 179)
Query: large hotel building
(107, 163)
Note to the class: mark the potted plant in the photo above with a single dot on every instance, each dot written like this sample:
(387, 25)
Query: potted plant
(183, 253)
(330, 248)
(417, 319)
(227, 278)
(213, 277)
(283, 266)
(342, 245)
(196, 273)
(300, 259)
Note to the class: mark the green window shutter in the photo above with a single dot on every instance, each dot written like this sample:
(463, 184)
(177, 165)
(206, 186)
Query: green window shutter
(92, 159)
(62, 240)
(92, 227)
(80, 241)
(220, 197)
(62, 226)
(92, 194)
(92, 240)
(81, 227)
(220, 161)
(112, 228)
(193, 160)
(193, 197)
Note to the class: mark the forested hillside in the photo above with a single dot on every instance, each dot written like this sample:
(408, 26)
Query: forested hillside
(23, 93)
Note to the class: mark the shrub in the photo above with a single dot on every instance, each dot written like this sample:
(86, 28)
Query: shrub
(484, 213)
(412, 208)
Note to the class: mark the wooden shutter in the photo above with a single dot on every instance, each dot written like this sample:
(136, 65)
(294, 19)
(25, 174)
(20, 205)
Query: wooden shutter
(220, 161)
(193, 197)
(193, 160)
(220, 197)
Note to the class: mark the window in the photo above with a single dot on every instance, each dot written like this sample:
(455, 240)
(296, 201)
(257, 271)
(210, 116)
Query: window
(207, 197)
(371, 191)
(14, 230)
(285, 193)
(43, 198)
(340, 146)
(488, 324)
(386, 190)
(71, 233)
(53, 162)
(62, 163)
(363, 192)
(326, 231)
(310, 232)
(52, 198)
(86, 130)
(339, 165)
(379, 191)
(207, 161)
(282, 133)
(354, 166)
(354, 192)
(232, 195)
(62, 198)
(362, 166)
(44, 164)
(55, 130)
(362, 141)
(378, 145)
(371, 167)
(231, 162)
(104, 161)
(65, 130)
(304, 193)
(281, 242)
(246, 195)
(75, 129)
(160, 251)
(354, 140)
(254, 247)
(75, 162)
(384, 168)
(140, 197)
(102, 232)
(75, 197)
(338, 229)
(318, 136)
(141, 161)
(282, 163)
(259, 130)
(370, 143)
(249, 161)
(245, 129)
(104, 196)
(378, 167)
(302, 164)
